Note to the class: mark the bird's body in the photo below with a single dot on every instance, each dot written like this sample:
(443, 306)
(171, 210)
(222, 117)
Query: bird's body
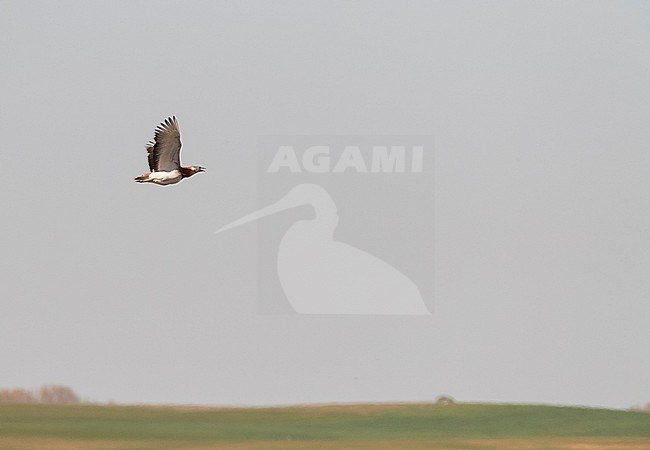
(164, 156)
(163, 178)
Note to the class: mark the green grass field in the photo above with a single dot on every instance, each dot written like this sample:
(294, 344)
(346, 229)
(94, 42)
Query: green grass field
(374, 426)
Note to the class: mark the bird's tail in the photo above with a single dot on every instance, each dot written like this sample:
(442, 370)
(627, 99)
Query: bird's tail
(142, 178)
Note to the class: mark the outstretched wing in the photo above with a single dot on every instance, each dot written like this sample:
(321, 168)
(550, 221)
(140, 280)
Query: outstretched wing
(165, 148)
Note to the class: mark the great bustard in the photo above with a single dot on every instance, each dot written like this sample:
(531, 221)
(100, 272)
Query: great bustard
(164, 156)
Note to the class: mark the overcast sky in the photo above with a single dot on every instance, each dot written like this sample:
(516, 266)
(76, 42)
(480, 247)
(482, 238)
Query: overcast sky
(539, 111)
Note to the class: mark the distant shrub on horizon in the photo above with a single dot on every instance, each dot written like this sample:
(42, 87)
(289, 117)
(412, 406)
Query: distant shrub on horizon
(50, 394)
(637, 408)
(17, 396)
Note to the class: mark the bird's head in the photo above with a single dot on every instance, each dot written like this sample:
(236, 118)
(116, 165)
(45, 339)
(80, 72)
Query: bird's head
(188, 171)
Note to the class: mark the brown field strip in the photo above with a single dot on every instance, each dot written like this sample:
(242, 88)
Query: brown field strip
(573, 443)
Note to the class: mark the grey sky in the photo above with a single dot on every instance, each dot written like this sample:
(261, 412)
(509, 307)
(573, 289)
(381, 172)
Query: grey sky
(542, 253)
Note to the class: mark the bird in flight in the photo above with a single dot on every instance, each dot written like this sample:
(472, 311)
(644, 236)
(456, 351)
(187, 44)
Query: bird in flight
(164, 156)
